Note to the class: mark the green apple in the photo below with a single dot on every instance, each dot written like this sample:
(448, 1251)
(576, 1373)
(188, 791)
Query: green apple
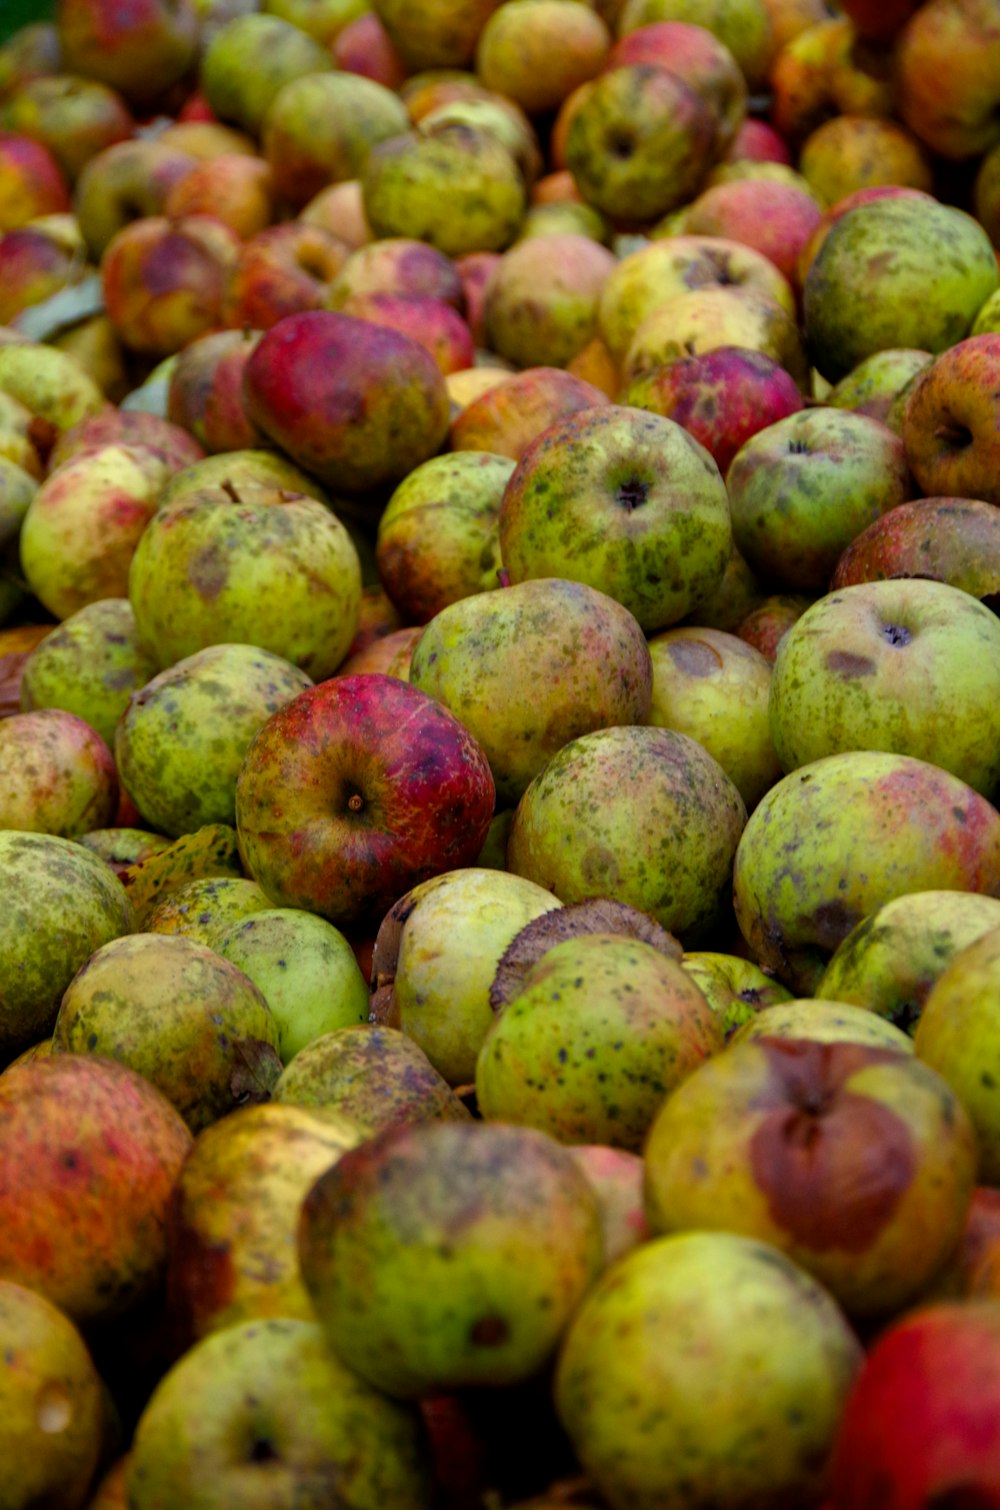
(736, 989)
(873, 386)
(437, 33)
(911, 666)
(305, 969)
(247, 61)
(199, 908)
(320, 127)
(824, 1021)
(89, 665)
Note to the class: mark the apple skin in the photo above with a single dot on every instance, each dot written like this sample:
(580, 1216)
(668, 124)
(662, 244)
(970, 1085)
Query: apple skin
(247, 62)
(822, 72)
(234, 186)
(281, 271)
(625, 501)
(404, 793)
(541, 300)
(896, 271)
(739, 1356)
(640, 814)
(921, 1421)
(198, 909)
(88, 665)
(950, 421)
(852, 152)
(75, 1125)
(955, 540)
(164, 281)
(705, 319)
(722, 397)
(616, 1177)
(819, 1020)
(798, 883)
(697, 56)
(736, 989)
(75, 117)
(986, 194)
(757, 141)
(400, 265)
(205, 393)
(890, 961)
(263, 1410)
(339, 209)
(128, 181)
(34, 264)
(910, 666)
(539, 56)
(358, 405)
(775, 219)
(432, 323)
(781, 483)
(510, 415)
(139, 47)
(60, 777)
(31, 182)
(874, 386)
(364, 47)
(947, 59)
(441, 34)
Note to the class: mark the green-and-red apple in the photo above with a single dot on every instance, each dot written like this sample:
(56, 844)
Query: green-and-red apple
(59, 776)
(950, 421)
(88, 665)
(955, 540)
(514, 412)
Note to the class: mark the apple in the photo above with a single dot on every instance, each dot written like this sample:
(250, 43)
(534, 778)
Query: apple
(499, 115)
(205, 393)
(741, 1359)
(263, 1409)
(28, 53)
(541, 300)
(389, 653)
(441, 34)
(90, 1152)
(736, 989)
(52, 386)
(432, 323)
(513, 412)
(625, 501)
(320, 127)
(423, 1254)
(358, 405)
(392, 790)
(281, 271)
(232, 470)
(817, 1020)
(339, 209)
(853, 152)
(252, 564)
(640, 142)
(757, 141)
(890, 961)
(782, 481)
(375, 1076)
(874, 387)
(88, 665)
(954, 540)
(986, 193)
(31, 181)
(907, 666)
(949, 423)
(141, 47)
(400, 265)
(59, 775)
(838, 838)
(645, 815)
(129, 181)
(616, 1177)
(34, 265)
(363, 47)
(247, 61)
(946, 61)
(698, 57)
(540, 54)
(901, 271)
(705, 319)
(826, 70)
(164, 280)
(775, 219)
(235, 187)
(322, 19)
(75, 117)
(198, 909)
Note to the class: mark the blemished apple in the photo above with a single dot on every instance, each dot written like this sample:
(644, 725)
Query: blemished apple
(955, 540)
(541, 300)
(625, 501)
(399, 265)
(237, 187)
(390, 790)
(88, 665)
(141, 47)
(57, 775)
(432, 323)
(875, 384)
(538, 57)
(697, 56)
(31, 181)
(205, 393)
(126, 182)
(950, 421)
(703, 319)
(164, 281)
(819, 1020)
(198, 909)
(246, 62)
(736, 989)
(946, 66)
(75, 117)
(281, 271)
(512, 413)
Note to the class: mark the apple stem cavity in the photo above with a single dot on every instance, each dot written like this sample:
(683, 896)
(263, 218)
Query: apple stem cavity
(896, 634)
(632, 494)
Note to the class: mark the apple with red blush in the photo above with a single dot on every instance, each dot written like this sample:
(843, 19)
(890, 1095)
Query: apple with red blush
(281, 271)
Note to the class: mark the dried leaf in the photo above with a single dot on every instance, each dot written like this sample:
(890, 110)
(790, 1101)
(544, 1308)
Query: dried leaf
(211, 851)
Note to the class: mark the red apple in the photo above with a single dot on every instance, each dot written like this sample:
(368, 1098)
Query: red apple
(951, 423)
(232, 186)
(508, 417)
(758, 142)
(432, 323)
(954, 540)
(281, 271)
(774, 218)
(947, 62)
(357, 790)
(164, 280)
(31, 181)
(140, 47)
(34, 264)
(205, 394)
(364, 46)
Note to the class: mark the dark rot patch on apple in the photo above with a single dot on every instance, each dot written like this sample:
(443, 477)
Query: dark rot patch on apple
(845, 663)
(833, 1164)
(695, 657)
(201, 1276)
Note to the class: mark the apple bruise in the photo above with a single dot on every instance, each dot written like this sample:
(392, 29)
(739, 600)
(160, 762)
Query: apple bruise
(832, 1164)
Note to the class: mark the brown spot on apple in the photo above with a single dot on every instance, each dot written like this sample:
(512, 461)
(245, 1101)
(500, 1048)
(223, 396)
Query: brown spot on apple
(847, 664)
(695, 657)
(832, 1163)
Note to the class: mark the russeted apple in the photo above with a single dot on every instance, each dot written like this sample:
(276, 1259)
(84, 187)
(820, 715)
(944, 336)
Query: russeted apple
(950, 421)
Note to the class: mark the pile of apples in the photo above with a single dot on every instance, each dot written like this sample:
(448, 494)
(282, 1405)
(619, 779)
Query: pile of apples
(499, 755)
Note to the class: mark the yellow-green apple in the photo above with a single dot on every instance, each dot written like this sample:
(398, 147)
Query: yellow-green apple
(843, 207)
(540, 53)
(364, 47)
(480, 657)
(322, 19)
(601, 1029)
(715, 688)
(890, 961)
(236, 187)
(24, 445)
(640, 142)
(625, 501)
(281, 271)
(986, 193)
(674, 265)
(957, 1036)
(31, 51)
(164, 281)
(84, 524)
(955, 540)
(950, 421)
(781, 483)
(58, 774)
(697, 56)
(263, 1409)
(436, 955)
(858, 1162)
(704, 319)
(822, 1021)
(247, 62)
(54, 1414)
(432, 323)
(405, 177)
(565, 217)
(640, 814)
(722, 397)
(88, 665)
(238, 468)
(205, 392)
(31, 181)
(742, 1359)
(181, 740)
(253, 564)
(438, 537)
(90, 1152)
(837, 839)
(744, 27)
(895, 271)
(198, 909)
(852, 152)
(825, 70)
(439, 35)
(911, 666)
(874, 386)
(196, 131)
(358, 405)
(988, 318)
(113, 426)
(766, 625)
(390, 789)
(17, 488)
(139, 47)
(736, 989)
(541, 299)
(52, 386)
(947, 65)
(123, 847)
(399, 265)
(63, 903)
(305, 968)
(234, 1222)
(458, 1301)
(319, 129)
(375, 1076)
(126, 182)
(503, 117)
(513, 413)
(75, 117)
